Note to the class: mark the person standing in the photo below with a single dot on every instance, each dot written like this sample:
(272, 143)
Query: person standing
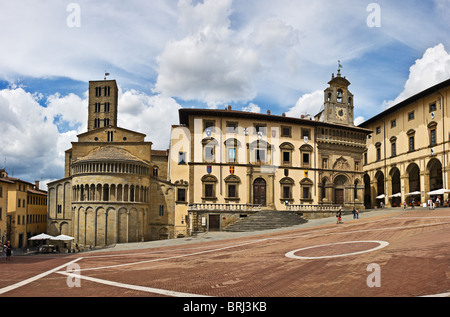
(8, 249)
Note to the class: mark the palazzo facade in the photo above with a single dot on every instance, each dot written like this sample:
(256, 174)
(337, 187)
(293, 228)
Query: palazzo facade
(226, 164)
(408, 153)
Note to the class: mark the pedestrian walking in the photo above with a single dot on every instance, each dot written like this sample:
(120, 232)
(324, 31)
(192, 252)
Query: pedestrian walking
(357, 214)
(354, 213)
(404, 204)
(339, 216)
(8, 249)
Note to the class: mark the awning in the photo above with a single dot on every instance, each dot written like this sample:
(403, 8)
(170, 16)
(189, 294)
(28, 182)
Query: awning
(413, 193)
(62, 237)
(42, 236)
(396, 195)
(441, 191)
(381, 196)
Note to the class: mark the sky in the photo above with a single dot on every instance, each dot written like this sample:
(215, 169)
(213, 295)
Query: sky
(255, 55)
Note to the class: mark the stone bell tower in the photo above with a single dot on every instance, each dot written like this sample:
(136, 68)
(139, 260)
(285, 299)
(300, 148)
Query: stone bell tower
(338, 101)
(103, 104)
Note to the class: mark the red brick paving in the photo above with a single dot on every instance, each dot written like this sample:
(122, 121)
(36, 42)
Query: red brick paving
(416, 262)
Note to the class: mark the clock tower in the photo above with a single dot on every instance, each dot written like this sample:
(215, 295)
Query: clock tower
(338, 101)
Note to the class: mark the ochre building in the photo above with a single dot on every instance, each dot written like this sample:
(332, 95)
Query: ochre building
(226, 164)
(407, 157)
(23, 210)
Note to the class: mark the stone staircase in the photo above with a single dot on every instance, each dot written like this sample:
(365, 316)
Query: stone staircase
(265, 220)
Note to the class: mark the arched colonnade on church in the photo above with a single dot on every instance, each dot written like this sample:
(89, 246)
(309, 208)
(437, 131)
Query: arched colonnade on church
(107, 225)
(111, 193)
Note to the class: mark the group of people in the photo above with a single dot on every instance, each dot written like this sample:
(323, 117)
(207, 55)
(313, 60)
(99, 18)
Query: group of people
(339, 215)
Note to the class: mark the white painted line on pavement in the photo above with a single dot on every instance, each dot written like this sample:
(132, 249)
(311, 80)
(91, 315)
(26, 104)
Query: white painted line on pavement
(132, 287)
(35, 278)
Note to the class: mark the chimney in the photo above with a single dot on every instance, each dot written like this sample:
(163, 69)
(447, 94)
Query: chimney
(229, 107)
(37, 184)
(268, 112)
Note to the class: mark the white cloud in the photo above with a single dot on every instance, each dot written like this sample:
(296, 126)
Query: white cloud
(27, 136)
(209, 64)
(152, 115)
(252, 108)
(359, 120)
(307, 104)
(431, 69)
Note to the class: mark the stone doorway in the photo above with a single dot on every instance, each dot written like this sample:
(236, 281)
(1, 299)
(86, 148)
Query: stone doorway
(259, 192)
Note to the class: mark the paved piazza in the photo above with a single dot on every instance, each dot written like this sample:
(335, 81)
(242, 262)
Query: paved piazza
(389, 252)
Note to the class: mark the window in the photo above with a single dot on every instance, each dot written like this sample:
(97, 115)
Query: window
(286, 132)
(260, 155)
(232, 187)
(306, 186)
(260, 129)
(411, 143)
(356, 165)
(393, 123)
(155, 171)
(378, 130)
(378, 151)
(306, 133)
(110, 136)
(410, 135)
(365, 158)
(286, 153)
(232, 191)
(209, 191)
(181, 195)
(433, 137)
(306, 152)
(287, 192)
(286, 157)
(107, 106)
(232, 127)
(411, 115)
(305, 159)
(209, 185)
(232, 154)
(393, 149)
(306, 192)
(161, 210)
(287, 185)
(182, 158)
(433, 107)
(208, 124)
(209, 153)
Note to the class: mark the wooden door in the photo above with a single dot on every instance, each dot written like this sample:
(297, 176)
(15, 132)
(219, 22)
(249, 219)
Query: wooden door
(214, 222)
(259, 192)
(339, 196)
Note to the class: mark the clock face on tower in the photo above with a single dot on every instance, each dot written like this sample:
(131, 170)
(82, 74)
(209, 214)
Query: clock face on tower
(341, 113)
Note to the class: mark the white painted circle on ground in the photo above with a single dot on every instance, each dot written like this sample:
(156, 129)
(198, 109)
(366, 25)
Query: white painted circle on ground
(292, 255)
